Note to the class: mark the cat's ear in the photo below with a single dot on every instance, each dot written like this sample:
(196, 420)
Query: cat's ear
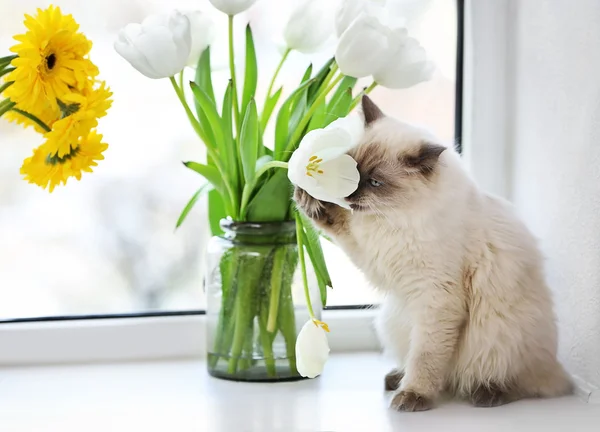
(425, 160)
(371, 112)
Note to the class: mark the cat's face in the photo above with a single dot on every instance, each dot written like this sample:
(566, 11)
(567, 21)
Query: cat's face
(398, 164)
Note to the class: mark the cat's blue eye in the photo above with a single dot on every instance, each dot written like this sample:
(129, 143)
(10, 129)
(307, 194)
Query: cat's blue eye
(375, 183)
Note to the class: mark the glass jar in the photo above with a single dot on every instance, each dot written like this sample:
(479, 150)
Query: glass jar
(255, 301)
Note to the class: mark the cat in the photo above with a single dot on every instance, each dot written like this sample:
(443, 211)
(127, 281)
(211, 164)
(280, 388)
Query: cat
(466, 307)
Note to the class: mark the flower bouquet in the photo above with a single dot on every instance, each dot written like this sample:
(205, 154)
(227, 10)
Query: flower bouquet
(260, 240)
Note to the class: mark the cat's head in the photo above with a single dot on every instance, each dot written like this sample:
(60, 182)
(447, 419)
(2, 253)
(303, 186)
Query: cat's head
(399, 164)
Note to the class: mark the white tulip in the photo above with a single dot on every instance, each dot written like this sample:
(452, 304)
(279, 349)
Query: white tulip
(321, 166)
(407, 65)
(349, 10)
(309, 26)
(202, 29)
(232, 7)
(312, 349)
(363, 48)
(159, 47)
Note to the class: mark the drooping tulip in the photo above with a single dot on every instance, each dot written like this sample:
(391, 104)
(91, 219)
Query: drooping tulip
(309, 26)
(349, 10)
(232, 7)
(407, 65)
(363, 48)
(321, 165)
(159, 47)
(312, 348)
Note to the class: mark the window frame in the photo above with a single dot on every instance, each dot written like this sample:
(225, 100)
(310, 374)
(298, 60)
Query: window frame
(160, 335)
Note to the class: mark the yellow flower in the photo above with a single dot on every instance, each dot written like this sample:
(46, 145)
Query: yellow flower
(51, 61)
(48, 170)
(48, 116)
(80, 114)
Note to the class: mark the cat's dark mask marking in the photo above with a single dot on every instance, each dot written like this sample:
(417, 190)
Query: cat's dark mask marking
(425, 160)
(370, 110)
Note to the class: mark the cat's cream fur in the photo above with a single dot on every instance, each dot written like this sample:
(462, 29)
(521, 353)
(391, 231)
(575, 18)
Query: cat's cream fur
(466, 306)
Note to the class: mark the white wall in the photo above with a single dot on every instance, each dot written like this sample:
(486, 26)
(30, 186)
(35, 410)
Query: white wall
(555, 121)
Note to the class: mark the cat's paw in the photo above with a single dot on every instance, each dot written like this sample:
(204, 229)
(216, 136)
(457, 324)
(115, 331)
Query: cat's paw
(411, 401)
(312, 207)
(392, 379)
(489, 396)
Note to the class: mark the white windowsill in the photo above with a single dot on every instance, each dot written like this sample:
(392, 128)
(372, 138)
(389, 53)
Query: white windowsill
(143, 339)
(180, 396)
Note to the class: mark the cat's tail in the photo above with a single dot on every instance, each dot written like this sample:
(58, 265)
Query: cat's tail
(549, 381)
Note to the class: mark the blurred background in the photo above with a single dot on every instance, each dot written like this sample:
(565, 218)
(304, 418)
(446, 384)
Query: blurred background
(108, 243)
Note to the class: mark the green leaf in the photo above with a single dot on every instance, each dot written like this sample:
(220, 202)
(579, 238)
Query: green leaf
(313, 91)
(268, 109)
(216, 212)
(230, 147)
(318, 119)
(251, 72)
(210, 173)
(249, 142)
(207, 187)
(315, 252)
(307, 74)
(203, 79)
(272, 201)
(282, 127)
(338, 110)
(208, 108)
(346, 83)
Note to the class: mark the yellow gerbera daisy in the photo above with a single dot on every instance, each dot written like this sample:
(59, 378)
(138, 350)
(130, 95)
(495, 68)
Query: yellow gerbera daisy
(80, 114)
(47, 170)
(48, 116)
(51, 60)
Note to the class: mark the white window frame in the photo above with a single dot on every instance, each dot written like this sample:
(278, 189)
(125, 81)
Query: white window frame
(486, 79)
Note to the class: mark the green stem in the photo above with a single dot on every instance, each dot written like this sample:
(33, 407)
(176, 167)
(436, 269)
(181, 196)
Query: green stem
(332, 72)
(306, 119)
(358, 98)
(287, 316)
(272, 83)
(299, 237)
(33, 118)
(193, 120)
(198, 128)
(276, 276)
(249, 187)
(6, 106)
(234, 93)
(371, 87)
(267, 347)
(251, 267)
(5, 86)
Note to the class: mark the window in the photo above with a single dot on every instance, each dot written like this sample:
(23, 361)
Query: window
(107, 244)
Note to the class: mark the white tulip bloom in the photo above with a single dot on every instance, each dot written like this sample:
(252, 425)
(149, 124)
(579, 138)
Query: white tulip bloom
(202, 29)
(321, 166)
(232, 7)
(349, 10)
(159, 47)
(407, 65)
(309, 26)
(364, 47)
(312, 349)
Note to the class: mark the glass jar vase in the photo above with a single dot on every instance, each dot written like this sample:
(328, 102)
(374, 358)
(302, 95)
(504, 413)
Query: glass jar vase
(255, 301)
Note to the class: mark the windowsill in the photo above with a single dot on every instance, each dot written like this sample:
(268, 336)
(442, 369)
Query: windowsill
(180, 396)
